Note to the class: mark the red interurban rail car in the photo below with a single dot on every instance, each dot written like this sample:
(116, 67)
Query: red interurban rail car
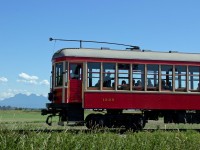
(159, 84)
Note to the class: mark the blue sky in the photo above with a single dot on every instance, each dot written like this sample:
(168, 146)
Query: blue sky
(25, 26)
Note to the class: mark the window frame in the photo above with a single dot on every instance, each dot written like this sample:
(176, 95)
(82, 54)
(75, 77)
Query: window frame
(57, 77)
(153, 87)
(104, 75)
(123, 85)
(88, 87)
(141, 73)
(180, 88)
(170, 74)
(190, 80)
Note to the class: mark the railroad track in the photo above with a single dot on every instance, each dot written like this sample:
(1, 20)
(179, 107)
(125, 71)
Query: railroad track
(76, 131)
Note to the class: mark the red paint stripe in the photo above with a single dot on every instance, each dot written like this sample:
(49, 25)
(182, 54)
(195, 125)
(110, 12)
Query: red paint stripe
(141, 101)
(135, 61)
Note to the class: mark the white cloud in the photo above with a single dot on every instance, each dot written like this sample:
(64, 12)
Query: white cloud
(27, 78)
(3, 79)
(44, 82)
(27, 81)
(34, 80)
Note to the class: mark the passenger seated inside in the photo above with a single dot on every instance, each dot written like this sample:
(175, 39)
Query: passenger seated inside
(198, 87)
(123, 82)
(124, 86)
(76, 73)
(163, 87)
(149, 83)
(107, 80)
(137, 86)
(138, 83)
(169, 86)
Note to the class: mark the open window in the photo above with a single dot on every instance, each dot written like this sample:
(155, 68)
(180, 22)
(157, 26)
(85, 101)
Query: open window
(123, 77)
(152, 78)
(166, 77)
(194, 78)
(138, 77)
(76, 71)
(180, 78)
(93, 76)
(108, 76)
(59, 74)
(66, 73)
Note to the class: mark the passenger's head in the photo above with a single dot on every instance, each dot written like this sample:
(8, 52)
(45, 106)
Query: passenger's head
(108, 73)
(123, 82)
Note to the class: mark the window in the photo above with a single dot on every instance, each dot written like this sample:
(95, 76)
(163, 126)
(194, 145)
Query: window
(123, 76)
(52, 78)
(194, 78)
(93, 75)
(152, 77)
(66, 73)
(166, 77)
(109, 76)
(138, 77)
(75, 71)
(59, 74)
(180, 78)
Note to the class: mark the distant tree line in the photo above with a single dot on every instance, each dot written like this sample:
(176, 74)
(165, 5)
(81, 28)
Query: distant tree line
(16, 108)
(6, 108)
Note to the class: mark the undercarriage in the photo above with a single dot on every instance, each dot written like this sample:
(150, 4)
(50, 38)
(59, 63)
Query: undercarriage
(66, 112)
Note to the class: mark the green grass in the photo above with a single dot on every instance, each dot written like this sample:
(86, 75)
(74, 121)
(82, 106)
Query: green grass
(20, 116)
(14, 120)
(98, 141)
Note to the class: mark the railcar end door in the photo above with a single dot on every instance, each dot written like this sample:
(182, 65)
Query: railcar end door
(75, 87)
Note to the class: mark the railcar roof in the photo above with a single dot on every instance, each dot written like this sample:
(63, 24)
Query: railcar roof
(127, 54)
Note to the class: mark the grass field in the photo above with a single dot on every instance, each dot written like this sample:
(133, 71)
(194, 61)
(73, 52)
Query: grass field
(36, 120)
(13, 120)
(20, 116)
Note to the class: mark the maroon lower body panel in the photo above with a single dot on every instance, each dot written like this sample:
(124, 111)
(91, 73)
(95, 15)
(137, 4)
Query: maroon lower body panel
(163, 101)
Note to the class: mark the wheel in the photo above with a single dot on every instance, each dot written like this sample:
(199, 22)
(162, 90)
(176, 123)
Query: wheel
(99, 120)
(89, 121)
(95, 121)
(135, 123)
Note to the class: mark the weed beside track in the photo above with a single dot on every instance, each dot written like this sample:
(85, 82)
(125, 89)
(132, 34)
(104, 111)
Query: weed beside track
(159, 140)
(23, 132)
